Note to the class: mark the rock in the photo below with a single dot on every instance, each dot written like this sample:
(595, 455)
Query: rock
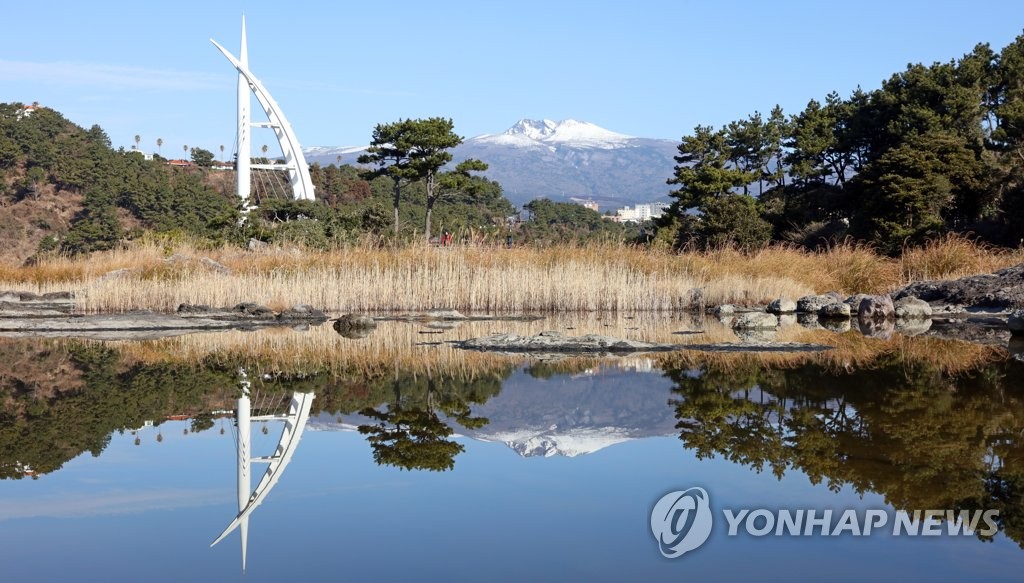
(695, 298)
(876, 308)
(215, 266)
(724, 310)
(194, 309)
(58, 296)
(762, 347)
(251, 310)
(445, 315)
(811, 304)
(782, 306)
(256, 244)
(855, 300)
(999, 291)
(873, 328)
(911, 307)
(350, 322)
(1016, 323)
(756, 321)
(302, 312)
(756, 335)
(834, 311)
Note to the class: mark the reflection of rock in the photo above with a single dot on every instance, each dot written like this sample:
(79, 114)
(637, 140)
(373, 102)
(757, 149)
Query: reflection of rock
(1016, 348)
(875, 308)
(877, 328)
(782, 306)
(913, 326)
(911, 307)
(554, 342)
(354, 325)
(755, 321)
(809, 321)
(1016, 323)
(753, 327)
(787, 319)
(758, 347)
(840, 325)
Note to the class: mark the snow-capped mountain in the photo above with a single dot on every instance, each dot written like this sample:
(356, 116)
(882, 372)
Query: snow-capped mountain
(529, 133)
(561, 160)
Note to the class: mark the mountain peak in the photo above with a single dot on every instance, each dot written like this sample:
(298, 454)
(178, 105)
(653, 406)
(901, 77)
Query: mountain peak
(549, 133)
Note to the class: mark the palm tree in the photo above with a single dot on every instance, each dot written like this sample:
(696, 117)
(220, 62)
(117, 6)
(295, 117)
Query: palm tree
(159, 143)
(138, 139)
(222, 152)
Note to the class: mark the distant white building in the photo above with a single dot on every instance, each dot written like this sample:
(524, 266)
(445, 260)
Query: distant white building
(586, 203)
(640, 212)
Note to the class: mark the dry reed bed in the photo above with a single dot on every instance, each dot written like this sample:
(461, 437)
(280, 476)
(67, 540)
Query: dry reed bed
(603, 278)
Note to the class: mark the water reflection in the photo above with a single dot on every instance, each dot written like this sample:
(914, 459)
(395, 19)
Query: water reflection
(923, 438)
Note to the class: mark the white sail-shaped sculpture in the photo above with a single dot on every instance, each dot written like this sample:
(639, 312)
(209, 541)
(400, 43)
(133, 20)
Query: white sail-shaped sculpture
(294, 419)
(294, 162)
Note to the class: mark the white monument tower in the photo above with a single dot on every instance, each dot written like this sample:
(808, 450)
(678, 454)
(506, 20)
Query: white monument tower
(294, 162)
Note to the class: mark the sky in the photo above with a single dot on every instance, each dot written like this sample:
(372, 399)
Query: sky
(647, 68)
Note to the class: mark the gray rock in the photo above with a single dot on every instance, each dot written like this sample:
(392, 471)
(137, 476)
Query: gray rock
(755, 321)
(1016, 323)
(724, 310)
(834, 311)
(193, 309)
(251, 310)
(876, 308)
(302, 312)
(756, 335)
(911, 307)
(855, 300)
(782, 306)
(215, 266)
(999, 291)
(354, 322)
(811, 304)
(256, 244)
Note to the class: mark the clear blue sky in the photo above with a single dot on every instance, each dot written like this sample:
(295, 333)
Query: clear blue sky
(646, 68)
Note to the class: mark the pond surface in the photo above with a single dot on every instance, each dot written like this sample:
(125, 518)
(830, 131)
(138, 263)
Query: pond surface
(120, 460)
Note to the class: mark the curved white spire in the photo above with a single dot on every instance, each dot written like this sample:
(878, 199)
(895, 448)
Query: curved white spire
(295, 162)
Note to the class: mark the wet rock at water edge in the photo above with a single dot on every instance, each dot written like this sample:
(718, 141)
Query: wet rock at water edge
(911, 307)
(302, 312)
(812, 304)
(1001, 291)
(782, 306)
(724, 310)
(252, 310)
(876, 308)
(354, 323)
(835, 310)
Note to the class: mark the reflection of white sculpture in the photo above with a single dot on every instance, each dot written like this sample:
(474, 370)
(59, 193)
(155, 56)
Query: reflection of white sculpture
(294, 162)
(294, 419)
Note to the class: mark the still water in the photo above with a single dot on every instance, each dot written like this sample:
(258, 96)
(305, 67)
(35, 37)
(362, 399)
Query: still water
(120, 460)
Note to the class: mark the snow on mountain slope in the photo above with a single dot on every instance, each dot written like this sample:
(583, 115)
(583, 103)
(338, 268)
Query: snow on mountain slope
(546, 133)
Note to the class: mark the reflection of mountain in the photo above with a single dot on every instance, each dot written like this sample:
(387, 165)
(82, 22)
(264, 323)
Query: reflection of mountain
(566, 415)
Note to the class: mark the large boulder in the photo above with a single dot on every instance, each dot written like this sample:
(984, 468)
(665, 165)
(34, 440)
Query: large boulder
(876, 308)
(350, 322)
(812, 304)
(782, 306)
(911, 307)
(999, 291)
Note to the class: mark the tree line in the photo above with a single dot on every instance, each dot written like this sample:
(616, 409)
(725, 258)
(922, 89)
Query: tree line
(936, 149)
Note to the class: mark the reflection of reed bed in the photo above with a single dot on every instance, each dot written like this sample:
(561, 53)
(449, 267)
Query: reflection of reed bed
(852, 351)
(488, 279)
